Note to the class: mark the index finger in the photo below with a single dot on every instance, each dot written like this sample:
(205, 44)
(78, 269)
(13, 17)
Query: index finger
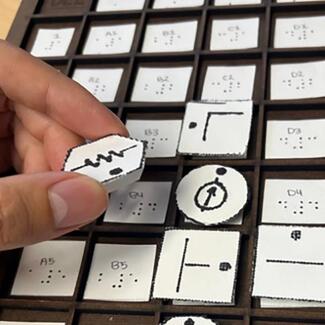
(30, 82)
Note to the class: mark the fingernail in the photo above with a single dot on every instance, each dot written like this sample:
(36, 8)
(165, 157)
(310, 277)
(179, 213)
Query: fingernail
(76, 201)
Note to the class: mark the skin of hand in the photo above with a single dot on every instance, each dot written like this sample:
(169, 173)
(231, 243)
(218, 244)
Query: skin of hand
(42, 115)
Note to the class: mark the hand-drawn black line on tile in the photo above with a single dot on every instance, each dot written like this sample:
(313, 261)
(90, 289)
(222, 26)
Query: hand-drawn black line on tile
(294, 262)
(108, 158)
(189, 321)
(211, 189)
(223, 266)
(183, 264)
(209, 115)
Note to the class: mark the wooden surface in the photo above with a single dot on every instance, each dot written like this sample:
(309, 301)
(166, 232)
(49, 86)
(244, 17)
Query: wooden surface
(8, 9)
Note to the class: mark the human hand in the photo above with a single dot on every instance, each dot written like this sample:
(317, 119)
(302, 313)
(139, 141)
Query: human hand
(42, 115)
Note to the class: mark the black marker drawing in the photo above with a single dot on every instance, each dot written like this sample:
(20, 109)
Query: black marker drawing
(206, 126)
(296, 234)
(294, 262)
(223, 266)
(108, 158)
(189, 321)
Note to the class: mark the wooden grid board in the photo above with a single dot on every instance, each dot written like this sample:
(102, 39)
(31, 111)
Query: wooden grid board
(35, 14)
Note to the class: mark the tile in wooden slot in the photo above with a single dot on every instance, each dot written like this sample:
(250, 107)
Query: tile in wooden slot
(189, 320)
(217, 129)
(282, 1)
(236, 2)
(29, 323)
(161, 136)
(114, 160)
(102, 83)
(121, 273)
(212, 194)
(297, 80)
(170, 37)
(164, 4)
(234, 34)
(290, 263)
(113, 39)
(295, 139)
(140, 203)
(49, 269)
(287, 303)
(52, 42)
(229, 83)
(299, 32)
(161, 84)
(294, 201)
(119, 5)
(189, 269)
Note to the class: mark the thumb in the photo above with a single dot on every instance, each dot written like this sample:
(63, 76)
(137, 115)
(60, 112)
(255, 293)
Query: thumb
(39, 207)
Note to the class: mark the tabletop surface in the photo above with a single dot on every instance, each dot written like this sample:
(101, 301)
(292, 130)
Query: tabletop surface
(8, 9)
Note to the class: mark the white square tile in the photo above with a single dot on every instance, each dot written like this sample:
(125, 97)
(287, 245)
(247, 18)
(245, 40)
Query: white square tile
(298, 80)
(161, 84)
(171, 37)
(234, 34)
(52, 42)
(229, 82)
(121, 272)
(189, 269)
(49, 269)
(299, 32)
(119, 5)
(141, 202)
(163, 4)
(287, 303)
(295, 139)
(162, 136)
(102, 83)
(219, 129)
(114, 39)
(236, 2)
(294, 201)
(290, 263)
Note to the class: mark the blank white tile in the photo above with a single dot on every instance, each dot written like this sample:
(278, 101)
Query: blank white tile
(236, 221)
(119, 5)
(52, 42)
(163, 4)
(161, 84)
(290, 263)
(229, 82)
(298, 80)
(299, 32)
(114, 39)
(189, 269)
(287, 303)
(294, 201)
(162, 136)
(295, 139)
(121, 272)
(140, 203)
(49, 269)
(234, 34)
(102, 83)
(216, 129)
(280, 1)
(236, 2)
(171, 37)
